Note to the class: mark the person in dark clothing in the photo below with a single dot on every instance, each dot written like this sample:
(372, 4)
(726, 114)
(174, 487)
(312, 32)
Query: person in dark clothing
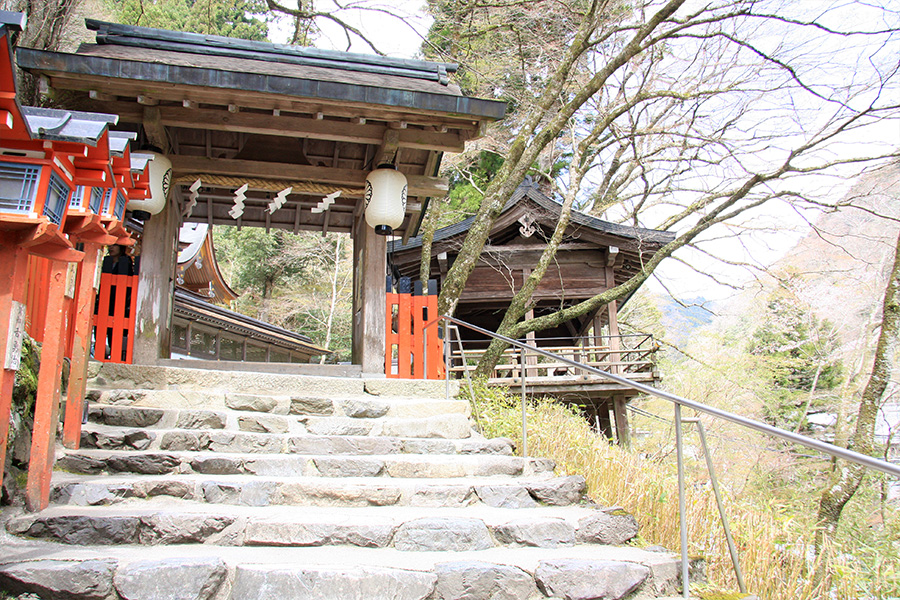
(117, 262)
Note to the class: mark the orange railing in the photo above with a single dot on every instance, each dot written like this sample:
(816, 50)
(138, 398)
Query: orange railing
(412, 350)
(114, 318)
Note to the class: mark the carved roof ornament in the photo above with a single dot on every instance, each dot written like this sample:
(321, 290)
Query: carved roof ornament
(528, 227)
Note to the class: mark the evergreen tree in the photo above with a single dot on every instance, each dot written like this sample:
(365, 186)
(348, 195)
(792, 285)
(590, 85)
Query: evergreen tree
(246, 19)
(797, 353)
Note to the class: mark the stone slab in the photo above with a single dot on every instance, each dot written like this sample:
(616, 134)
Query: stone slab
(348, 583)
(60, 579)
(477, 580)
(171, 579)
(575, 579)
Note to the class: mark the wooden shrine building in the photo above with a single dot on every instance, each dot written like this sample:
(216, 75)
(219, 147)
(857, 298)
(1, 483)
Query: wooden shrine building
(595, 255)
(203, 327)
(230, 113)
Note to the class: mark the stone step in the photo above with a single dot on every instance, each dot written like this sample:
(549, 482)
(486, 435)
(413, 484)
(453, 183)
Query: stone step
(208, 572)
(158, 377)
(249, 490)
(405, 528)
(148, 407)
(445, 426)
(105, 437)
(93, 462)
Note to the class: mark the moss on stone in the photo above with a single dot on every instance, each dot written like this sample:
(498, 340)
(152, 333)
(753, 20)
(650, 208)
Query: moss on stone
(23, 400)
(25, 389)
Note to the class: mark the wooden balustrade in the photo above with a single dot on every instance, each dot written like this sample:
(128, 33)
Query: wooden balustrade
(633, 354)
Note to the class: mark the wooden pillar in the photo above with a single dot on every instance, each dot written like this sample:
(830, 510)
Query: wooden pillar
(46, 409)
(369, 298)
(531, 359)
(612, 313)
(597, 355)
(604, 421)
(156, 286)
(13, 272)
(623, 433)
(81, 345)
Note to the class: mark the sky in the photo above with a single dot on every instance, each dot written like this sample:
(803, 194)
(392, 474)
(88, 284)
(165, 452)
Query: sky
(393, 36)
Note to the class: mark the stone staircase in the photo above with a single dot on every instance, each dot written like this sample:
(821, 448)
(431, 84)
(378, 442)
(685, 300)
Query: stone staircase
(199, 484)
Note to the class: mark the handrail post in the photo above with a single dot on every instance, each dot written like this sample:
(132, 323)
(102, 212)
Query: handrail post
(715, 485)
(447, 327)
(682, 516)
(524, 416)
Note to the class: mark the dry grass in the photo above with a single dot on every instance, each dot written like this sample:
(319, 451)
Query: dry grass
(772, 545)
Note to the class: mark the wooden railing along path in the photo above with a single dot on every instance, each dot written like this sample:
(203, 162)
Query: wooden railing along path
(632, 354)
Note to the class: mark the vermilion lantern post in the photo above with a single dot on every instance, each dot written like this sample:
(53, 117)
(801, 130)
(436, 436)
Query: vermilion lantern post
(43, 152)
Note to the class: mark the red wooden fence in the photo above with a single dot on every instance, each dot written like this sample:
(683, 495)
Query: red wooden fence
(114, 318)
(413, 351)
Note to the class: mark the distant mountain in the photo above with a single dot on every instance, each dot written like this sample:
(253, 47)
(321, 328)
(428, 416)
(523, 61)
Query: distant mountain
(682, 319)
(841, 265)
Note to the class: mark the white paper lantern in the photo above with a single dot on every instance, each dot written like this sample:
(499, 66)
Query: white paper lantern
(385, 199)
(160, 181)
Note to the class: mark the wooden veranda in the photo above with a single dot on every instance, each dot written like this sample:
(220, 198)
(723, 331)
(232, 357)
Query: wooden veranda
(601, 400)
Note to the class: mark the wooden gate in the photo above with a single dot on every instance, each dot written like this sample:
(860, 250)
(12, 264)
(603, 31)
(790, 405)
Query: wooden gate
(114, 318)
(412, 350)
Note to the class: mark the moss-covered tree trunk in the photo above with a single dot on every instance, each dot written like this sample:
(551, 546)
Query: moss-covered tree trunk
(846, 476)
(522, 301)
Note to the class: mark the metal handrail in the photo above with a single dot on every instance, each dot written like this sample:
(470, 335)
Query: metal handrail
(679, 402)
(831, 449)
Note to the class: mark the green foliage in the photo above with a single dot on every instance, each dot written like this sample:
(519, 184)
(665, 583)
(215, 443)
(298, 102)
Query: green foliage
(259, 260)
(496, 410)
(467, 185)
(772, 528)
(797, 353)
(505, 51)
(21, 416)
(287, 280)
(796, 341)
(244, 19)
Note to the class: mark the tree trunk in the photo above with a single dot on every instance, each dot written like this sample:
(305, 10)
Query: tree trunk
(522, 300)
(812, 395)
(846, 477)
(334, 290)
(428, 229)
(544, 122)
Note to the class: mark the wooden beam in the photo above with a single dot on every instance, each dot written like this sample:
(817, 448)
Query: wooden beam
(419, 185)
(468, 125)
(95, 95)
(390, 144)
(155, 130)
(623, 431)
(516, 248)
(611, 256)
(316, 127)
